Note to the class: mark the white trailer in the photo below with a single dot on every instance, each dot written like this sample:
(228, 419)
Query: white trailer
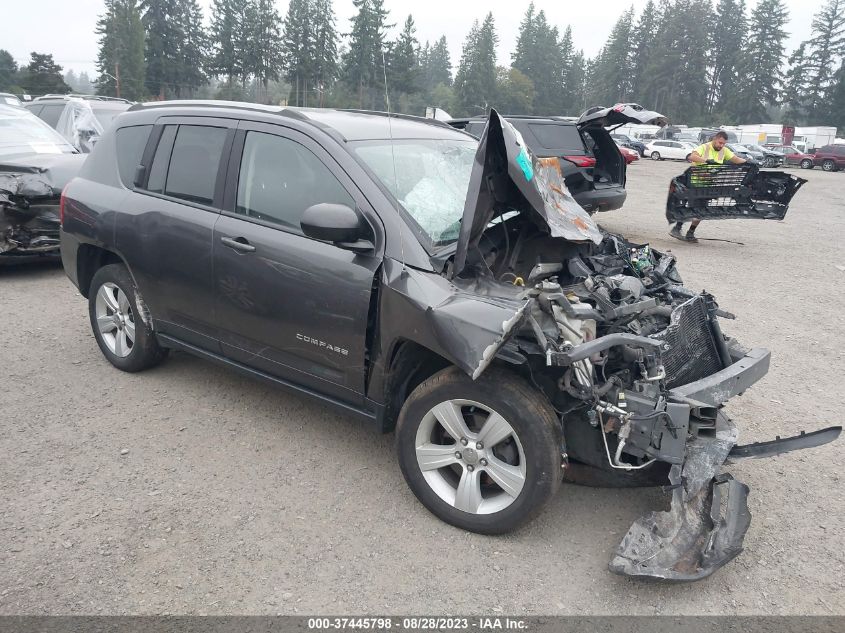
(814, 137)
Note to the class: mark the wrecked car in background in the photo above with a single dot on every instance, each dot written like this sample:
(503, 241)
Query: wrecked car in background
(80, 119)
(35, 164)
(451, 289)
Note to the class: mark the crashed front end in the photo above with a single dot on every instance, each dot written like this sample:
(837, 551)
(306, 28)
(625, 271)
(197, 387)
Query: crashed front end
(635, 364)
(29, 213)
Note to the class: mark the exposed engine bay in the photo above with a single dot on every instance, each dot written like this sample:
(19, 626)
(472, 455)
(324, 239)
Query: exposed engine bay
(635, 364)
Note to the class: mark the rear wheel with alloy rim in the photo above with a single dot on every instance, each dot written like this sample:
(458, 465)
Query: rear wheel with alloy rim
(655, 156)
(123, 335)
(829, 165)
(482, 455)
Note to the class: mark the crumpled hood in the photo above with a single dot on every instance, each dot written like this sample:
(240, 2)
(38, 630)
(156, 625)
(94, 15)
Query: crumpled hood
(38, 175)
(506, 176)
(621, 114)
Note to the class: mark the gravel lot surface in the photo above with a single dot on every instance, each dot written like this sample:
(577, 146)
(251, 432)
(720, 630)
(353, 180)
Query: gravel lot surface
(189, 489)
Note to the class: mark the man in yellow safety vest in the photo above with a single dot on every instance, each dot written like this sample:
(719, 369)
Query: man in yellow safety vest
(712, 153)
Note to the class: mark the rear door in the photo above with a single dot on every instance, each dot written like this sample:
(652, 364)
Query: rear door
(286, 304)
(166, 229)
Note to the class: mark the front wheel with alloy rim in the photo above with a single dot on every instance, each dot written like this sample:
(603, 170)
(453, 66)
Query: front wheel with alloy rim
(829, 165)
(125, 338)
(655, 156)
(482, 455)
(806, 164)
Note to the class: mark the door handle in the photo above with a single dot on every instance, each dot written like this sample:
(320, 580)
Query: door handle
(239, 244)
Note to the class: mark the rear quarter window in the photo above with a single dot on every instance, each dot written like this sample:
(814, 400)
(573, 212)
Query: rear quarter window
(131, 142)
(560, 139)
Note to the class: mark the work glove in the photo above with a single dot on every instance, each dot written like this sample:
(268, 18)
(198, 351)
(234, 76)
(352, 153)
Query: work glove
(711, 162)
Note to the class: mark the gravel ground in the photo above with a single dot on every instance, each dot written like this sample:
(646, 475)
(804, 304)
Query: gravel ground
(189, 489)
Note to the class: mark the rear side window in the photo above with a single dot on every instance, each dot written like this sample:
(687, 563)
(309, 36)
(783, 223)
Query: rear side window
(279, 179)
(563, 138)
(130, 149)
(194, 162)
(186, 162)
(51, 113)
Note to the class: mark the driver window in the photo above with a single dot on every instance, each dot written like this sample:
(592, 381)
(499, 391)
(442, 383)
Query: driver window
(279, 179)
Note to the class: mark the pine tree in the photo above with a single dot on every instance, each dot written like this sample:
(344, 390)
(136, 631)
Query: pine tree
(265, 43)
(403, 67)
(86, 87)
(757, 85)
(8, 71)
(162, 40)
(836, 101)
(364, 63)
(225, 35)
(438, 65)
(826, 47)
(569, 98)
(642, 49)
(524, 52)
(42, 76)
(613, 66)
(325, 48)
(298, 49)
(475, 81)
(121, 52)
(71, 80)
(193, 48)
(794, 93)
(576, 85)
(726, 51)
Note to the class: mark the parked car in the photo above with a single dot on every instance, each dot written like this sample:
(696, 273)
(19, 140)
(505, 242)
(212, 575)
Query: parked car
(771, 158)
(746, 153)
(626, 141)
(629, 154)
(80, 120)
(593, 168)
(449, 288)
(793, 156)
(663, 149)
(7, 98)
(35, 163)
(830, 157)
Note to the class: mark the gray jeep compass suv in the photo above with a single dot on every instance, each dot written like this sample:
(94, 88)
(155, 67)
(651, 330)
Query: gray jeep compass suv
(446, 287)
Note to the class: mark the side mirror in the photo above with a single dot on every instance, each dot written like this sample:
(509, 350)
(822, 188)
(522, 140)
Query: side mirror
(336, 223)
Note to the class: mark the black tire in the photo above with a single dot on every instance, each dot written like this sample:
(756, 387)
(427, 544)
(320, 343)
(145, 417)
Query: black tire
(534, 424)
(806, 164)
(145, 351)
(828, 165)
(655, 156)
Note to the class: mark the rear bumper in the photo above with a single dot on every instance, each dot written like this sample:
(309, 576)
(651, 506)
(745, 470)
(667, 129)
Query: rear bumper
(607, 198)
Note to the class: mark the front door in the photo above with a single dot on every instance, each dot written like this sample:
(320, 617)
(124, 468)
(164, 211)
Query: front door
(288, 305)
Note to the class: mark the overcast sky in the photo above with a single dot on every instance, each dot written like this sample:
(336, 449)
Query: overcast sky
(65, 28)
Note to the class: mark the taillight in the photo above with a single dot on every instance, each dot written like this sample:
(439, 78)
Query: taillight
(62, 206)
(582, 161)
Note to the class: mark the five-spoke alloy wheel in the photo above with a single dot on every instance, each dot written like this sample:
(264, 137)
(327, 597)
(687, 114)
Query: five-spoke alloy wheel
(483, 455)
(124, 334)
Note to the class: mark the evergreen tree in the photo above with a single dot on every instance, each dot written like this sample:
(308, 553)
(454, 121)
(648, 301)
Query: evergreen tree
(8, 71)
(475, 81)
(826, 47)
(576, 84)
(726, 51)
(524, 52)
(160, 48)
(836, 101)
(86, 86)
(794, 94)
(757, 85)
(298, 46)
(613, 67)
(642, 49)
(226, 33)
(42, 76)
(363, 62)
(403, 68)
(570, 98)
(265, 58)
(193, 49)
(71, 80)
(437, 65)
(325, 48)
(121, 53)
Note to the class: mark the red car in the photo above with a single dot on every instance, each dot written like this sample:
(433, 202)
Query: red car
(793, 156)
(629, 155)
(830, 157)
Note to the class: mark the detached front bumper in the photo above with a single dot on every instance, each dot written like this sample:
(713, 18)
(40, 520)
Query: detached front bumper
(708, 517)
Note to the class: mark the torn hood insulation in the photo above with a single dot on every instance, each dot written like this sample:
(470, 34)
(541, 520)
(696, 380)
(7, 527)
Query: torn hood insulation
(506, 176)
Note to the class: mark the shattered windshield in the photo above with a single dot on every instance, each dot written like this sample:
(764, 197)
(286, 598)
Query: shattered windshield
(22, 133)
(428, 177)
